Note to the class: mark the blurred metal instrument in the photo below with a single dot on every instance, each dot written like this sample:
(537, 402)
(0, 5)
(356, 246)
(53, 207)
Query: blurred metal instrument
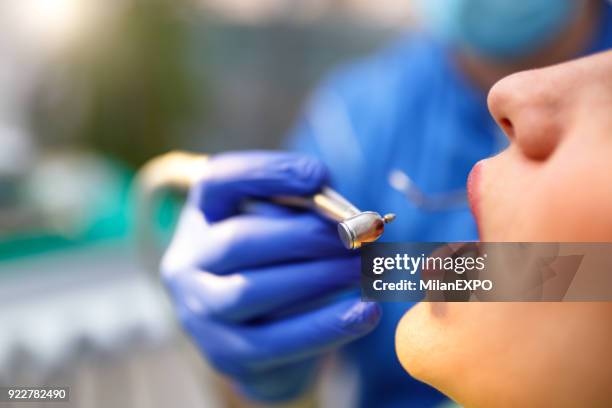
(355, 227)
(401, 182)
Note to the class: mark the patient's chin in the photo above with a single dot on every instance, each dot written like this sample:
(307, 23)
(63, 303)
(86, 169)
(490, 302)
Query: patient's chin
(408, 347)
(446, 346)
(420, 346)
(510, 354)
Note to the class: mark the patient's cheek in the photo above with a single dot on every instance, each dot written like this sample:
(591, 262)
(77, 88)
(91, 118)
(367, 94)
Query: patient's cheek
(565, 198)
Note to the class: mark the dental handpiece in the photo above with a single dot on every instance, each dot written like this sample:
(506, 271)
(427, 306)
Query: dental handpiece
(182, 170)
(355, 227)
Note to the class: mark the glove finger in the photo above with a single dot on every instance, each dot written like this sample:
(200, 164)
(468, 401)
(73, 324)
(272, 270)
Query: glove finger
(249, 241)
(307, 335)
(270, 209)
(260, 292)
(314, 332)
(230, 178)
(238, 350)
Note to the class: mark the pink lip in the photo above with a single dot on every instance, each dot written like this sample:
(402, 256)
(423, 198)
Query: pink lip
(473, 192)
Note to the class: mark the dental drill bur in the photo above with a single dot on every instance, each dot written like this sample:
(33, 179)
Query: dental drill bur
(355, 227)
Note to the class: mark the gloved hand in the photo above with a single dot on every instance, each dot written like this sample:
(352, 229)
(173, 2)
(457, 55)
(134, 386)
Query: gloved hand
(259, 291)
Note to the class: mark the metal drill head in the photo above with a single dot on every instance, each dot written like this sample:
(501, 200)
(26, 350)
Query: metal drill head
(362, 228)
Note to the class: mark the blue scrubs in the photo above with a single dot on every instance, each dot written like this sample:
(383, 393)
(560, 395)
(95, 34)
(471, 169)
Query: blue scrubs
(409, 108)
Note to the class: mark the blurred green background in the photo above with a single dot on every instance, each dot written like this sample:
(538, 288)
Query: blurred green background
(104, 86)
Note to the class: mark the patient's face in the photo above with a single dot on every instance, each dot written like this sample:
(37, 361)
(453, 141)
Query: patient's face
(553, 183)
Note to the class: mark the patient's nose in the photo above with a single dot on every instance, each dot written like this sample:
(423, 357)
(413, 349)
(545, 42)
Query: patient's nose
(527, 107)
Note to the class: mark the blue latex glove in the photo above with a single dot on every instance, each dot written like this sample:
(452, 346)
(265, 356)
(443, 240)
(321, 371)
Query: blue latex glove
(258, 291)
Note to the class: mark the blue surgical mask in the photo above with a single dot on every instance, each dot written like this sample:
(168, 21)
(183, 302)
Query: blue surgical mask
(501, 29)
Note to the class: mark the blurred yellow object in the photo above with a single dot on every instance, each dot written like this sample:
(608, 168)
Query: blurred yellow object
(171, 172)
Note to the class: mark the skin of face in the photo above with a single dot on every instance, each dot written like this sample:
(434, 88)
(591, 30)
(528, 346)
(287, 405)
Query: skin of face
(552, 184)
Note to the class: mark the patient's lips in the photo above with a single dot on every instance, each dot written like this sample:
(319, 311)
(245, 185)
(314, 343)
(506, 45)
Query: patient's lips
(473, 192)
